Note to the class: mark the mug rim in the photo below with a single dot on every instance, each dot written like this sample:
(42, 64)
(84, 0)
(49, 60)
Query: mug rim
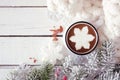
(96, 43)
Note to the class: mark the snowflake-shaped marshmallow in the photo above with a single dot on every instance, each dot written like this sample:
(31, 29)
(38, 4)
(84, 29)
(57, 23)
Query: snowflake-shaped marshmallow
(81, 38)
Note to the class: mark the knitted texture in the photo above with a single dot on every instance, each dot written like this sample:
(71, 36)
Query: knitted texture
(112, 17)
(82, 10)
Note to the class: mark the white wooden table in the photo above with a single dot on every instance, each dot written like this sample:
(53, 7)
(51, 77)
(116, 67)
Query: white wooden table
(24, 29)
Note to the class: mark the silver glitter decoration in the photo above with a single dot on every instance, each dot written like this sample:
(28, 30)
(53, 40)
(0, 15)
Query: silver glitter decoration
(21, 73)
(98, 65)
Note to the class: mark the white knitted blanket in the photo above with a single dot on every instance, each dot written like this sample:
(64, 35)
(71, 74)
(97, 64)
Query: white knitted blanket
(104, 14)
(80, 10)
(112, 17)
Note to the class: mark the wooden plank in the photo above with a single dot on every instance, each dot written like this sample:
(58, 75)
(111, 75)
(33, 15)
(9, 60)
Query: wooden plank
(22, 2)
(13, 66)
(30, 35)
(18, 50)
(23, 6)
(25, 22)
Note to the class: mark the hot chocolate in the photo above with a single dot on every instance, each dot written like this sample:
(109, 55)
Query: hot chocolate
(81, 38)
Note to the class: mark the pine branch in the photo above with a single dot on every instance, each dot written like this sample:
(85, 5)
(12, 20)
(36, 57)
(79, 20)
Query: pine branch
(43, 73)
(105, 54)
